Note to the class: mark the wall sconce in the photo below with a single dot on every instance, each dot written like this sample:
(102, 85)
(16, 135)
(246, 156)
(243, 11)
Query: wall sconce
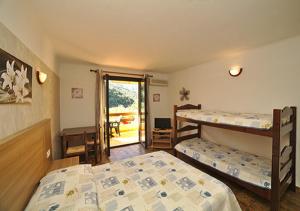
(235, 71)
(41, 77)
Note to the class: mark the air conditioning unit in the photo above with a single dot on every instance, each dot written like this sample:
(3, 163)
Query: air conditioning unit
(158, 82)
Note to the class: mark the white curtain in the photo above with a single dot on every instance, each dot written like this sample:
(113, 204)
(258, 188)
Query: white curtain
(99, 113)
(102, 111)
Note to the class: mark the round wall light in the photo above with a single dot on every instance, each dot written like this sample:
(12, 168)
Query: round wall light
(41, 77)
(235, 71)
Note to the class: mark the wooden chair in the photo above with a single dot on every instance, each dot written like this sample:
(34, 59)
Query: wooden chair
(91, 146)
(115, 124)
(75, 150)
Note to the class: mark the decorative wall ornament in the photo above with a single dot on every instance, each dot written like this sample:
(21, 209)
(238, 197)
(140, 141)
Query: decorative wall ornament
(77, 93)
(156, 97)
(184, 94)
(15, 80)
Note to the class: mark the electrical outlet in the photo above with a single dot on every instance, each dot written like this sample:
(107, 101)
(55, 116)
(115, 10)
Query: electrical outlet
(48, 153)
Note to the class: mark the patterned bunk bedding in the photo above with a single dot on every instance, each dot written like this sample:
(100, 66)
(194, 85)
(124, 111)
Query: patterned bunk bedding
(250, 168)
(155, 181)
(259, 121)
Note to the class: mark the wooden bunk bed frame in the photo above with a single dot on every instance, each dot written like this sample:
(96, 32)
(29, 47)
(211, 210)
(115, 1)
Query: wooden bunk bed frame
(283, 161)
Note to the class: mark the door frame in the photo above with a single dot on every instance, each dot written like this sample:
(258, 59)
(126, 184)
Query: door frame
(108, 78)
(145, 144)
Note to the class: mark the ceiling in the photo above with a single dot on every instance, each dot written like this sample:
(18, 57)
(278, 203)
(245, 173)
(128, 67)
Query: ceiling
(163, 35)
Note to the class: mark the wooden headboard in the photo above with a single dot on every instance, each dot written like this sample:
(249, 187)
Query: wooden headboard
(23, 162)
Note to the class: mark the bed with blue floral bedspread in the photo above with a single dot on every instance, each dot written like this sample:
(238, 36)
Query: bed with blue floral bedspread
(250, 168)
(71, 188)
(156, 181)
(159, 181)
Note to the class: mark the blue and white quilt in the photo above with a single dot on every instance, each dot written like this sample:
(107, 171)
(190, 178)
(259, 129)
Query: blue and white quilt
(159, 181)
(245, 166)
(71, 188)
(156, 181)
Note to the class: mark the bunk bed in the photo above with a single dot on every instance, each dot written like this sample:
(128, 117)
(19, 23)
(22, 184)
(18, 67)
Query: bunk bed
(268, 178)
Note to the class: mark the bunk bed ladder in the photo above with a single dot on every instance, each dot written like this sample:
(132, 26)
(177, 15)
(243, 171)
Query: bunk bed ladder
(199, 125)
(178, 130)
(175, 125)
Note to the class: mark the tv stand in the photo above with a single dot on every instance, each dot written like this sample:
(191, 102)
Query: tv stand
(162, 138)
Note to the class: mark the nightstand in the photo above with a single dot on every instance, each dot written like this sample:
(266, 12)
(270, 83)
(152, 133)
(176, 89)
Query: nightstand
(162, 139)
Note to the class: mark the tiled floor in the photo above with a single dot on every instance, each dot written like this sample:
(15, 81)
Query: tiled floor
(248, 201)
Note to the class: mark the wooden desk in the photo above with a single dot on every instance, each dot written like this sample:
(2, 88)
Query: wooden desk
(91, 130)
(63, 163)
(78, 131)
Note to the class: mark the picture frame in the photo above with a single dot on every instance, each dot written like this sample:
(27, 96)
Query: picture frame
(15, 80)
(156, 97)
(77, 93)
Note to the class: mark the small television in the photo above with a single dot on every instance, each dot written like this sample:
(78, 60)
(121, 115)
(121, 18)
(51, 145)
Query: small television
(162, 123)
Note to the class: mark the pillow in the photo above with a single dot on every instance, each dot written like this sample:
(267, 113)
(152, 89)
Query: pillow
(71, 188)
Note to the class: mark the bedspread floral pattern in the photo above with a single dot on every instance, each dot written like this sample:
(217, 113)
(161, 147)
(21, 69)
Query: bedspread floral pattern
(156, 181)
(260, 121)
(159, 181)
(245, 166)
(71, 188)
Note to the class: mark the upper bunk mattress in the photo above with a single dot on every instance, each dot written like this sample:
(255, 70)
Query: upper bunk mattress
(250, 168)
(259, 121)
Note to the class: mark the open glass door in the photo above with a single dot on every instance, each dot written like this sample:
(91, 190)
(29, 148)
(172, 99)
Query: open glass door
(142, 113)
(125, 111)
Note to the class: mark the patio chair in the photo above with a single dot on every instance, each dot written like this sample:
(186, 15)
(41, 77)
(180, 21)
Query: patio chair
(115, 124)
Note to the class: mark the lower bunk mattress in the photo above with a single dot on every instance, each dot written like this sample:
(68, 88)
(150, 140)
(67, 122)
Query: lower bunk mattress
(155, 181)
(247, 167)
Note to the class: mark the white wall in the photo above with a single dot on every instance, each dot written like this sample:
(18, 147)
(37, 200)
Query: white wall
(81, 112)
(18, 18)
(270, 80)
(45, 98)
(21, 35)
(159, 109)
(77, 112)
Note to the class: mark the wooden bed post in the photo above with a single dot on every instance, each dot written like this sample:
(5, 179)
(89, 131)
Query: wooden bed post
(275, 182)
(293, 141)
(175, 126)
(199, 125)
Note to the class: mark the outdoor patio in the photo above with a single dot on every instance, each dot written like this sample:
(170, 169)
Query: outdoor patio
(129, 132)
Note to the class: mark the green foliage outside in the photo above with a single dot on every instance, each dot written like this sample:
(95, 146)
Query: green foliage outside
(118, 98)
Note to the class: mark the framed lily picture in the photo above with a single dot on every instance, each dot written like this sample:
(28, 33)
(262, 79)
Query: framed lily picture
(15, 80)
